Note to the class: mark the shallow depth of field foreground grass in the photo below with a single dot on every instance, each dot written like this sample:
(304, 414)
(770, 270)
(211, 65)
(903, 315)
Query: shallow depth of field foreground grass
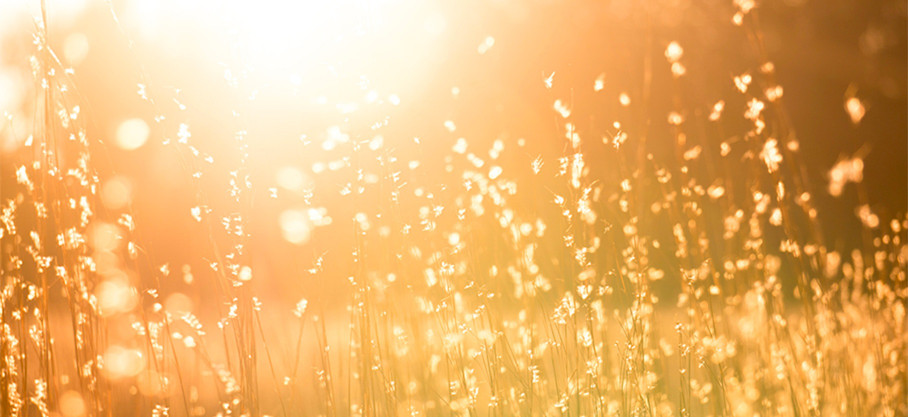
(427, 208)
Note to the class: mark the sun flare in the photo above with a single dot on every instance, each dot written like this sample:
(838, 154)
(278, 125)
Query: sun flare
(425, 208)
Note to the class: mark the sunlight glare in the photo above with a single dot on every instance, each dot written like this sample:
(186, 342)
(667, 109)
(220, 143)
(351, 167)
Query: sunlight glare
(310, 44)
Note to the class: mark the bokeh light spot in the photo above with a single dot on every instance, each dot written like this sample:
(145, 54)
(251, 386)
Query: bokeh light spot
(132, 134)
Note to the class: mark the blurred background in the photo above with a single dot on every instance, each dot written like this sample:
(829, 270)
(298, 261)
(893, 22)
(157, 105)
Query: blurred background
(288, 96)
(415, 78)
(824, 52)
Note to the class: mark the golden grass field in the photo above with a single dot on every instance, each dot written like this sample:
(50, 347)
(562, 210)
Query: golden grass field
(504, 208)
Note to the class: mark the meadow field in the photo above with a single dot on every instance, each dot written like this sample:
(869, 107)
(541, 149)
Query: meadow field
(643, 208)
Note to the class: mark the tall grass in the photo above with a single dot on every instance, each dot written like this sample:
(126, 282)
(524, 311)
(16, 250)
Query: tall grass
(631, 273)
